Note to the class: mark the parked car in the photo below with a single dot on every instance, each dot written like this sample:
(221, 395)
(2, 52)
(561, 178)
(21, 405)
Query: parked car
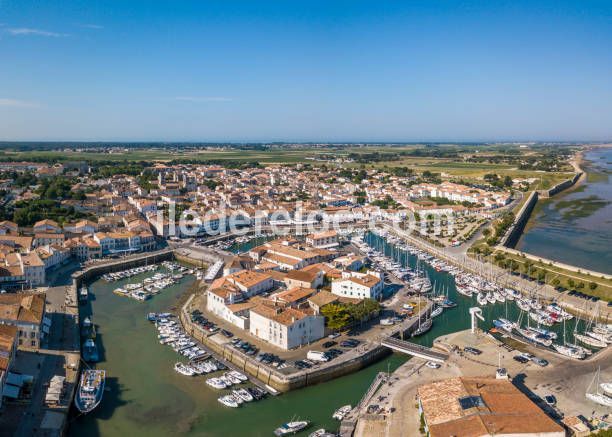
(472, 350)
(301, 364)
(350, 343)
(334, 335)
(329, 344)
(521, 359)
(540, 361)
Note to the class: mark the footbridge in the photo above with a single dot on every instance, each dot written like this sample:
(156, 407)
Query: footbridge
(415, 350)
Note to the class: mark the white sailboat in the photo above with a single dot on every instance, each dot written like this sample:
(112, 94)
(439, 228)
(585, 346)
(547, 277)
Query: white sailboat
(598, 397)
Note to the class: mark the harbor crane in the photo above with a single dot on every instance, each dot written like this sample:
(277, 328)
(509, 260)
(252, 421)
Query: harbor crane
(475, 312)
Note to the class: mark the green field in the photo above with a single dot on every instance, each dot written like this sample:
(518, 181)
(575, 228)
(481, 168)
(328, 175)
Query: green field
(451, 166)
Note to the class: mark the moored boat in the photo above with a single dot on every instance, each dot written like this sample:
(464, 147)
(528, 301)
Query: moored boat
(90, 391)
(590, 340)
(90, 351)
(184, 369)
(291, 427)
(437, 311)
(229, 401)
(569, 351)
(423, 328)
(341, 412)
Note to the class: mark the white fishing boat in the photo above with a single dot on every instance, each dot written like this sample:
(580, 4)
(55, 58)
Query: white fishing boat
(341, 412)
(481, 299)
(291, 427)
(490, 297)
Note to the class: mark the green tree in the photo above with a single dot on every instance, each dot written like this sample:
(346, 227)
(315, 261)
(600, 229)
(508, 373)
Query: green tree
(337, 316)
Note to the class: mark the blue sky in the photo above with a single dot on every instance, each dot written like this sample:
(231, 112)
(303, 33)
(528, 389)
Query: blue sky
(297, 71)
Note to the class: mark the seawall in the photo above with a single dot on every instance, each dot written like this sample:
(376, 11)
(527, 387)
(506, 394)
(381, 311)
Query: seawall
(513, 234)
(284, 382)
(274, 378)
(93, 271)
(560, 186)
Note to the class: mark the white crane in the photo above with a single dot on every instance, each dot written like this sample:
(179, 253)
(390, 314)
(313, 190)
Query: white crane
(475, 312)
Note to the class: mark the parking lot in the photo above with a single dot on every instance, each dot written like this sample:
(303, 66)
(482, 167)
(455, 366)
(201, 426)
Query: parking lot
(322, 351)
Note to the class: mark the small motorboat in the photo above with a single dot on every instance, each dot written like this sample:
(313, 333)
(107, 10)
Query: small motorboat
(321, 433)
(341, 412)
(184, 369)
(229, 401)
(243, 394)
(217, 383)
(238, 375)
(291, 427)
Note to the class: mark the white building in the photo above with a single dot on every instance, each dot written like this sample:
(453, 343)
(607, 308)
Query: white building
(286, 328)
(359, 285)
(323, 240)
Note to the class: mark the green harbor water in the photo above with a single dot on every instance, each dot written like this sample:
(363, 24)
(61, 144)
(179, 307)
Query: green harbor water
(146, 397)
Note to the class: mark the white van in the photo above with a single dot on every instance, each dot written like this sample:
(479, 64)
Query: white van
(317, 356)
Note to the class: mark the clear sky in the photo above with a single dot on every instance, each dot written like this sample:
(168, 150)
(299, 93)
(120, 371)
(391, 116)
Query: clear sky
(305, 70)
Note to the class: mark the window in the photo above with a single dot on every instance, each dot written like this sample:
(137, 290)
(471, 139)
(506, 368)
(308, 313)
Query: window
(33, 343)
(468, 402)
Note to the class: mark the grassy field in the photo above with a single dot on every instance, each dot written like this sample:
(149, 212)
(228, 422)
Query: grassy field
(453, 167)
(603, 289)
(273, 156)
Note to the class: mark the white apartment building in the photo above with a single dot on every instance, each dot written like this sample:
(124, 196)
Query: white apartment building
(285, 328)
(323, 240)
(359, 285)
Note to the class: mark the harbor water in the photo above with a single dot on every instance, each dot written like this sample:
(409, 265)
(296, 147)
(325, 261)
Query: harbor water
(146, 397)
(575, 227)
